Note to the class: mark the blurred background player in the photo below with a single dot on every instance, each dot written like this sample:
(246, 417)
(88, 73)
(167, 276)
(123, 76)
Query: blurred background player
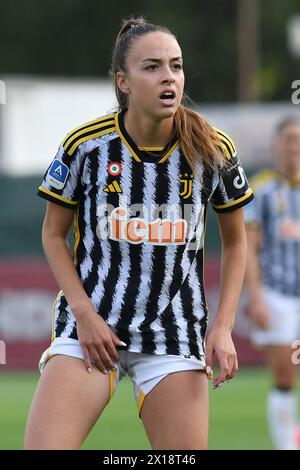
(273, 275)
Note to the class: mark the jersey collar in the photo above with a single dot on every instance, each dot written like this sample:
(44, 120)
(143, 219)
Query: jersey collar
(143, 155)
(289, 180)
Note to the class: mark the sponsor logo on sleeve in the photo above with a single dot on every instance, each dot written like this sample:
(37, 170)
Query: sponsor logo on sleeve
(240, 180)
(235, 182)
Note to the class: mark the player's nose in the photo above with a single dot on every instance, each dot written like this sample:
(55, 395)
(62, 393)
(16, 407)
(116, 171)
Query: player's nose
(167, 76)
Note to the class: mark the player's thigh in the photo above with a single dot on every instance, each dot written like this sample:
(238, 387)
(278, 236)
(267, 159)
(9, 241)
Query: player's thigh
(279, 358)
(175, 412)
(67, 402)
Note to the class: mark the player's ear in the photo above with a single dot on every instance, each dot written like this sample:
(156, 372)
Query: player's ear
(122, 82)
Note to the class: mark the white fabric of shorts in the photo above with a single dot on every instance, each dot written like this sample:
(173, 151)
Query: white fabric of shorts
(284, 313)
(145, 370)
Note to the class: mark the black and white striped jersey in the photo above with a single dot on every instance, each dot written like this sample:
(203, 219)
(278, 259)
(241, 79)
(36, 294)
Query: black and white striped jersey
(276, 209)
(139, 222)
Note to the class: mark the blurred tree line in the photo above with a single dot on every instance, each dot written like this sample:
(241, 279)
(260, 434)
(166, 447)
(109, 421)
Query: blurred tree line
(75, 38)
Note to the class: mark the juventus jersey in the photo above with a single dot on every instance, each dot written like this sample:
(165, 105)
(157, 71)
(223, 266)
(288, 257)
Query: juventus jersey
(276, 210)
(139, 222)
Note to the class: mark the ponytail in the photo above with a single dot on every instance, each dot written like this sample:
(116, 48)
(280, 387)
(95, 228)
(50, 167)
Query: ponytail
(197, 138)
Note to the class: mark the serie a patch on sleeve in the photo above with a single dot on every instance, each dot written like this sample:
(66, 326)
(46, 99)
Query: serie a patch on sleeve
(57, 174)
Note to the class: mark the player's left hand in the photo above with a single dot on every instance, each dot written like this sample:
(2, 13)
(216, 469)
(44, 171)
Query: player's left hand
(219, 342)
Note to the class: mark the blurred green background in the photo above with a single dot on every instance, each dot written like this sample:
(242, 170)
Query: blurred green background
(76, 37)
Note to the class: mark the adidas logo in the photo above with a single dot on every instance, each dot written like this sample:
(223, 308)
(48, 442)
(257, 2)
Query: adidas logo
(114, 187)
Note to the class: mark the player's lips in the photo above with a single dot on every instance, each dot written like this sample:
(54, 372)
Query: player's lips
(168, 97)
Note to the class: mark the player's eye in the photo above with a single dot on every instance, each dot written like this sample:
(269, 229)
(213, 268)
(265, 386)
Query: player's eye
(177, 66)
(151, 67)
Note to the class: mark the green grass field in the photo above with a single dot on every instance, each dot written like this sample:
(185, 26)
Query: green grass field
(237, 414)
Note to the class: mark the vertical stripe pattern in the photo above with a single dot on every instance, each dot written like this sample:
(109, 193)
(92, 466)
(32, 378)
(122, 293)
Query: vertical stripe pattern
(141, 267)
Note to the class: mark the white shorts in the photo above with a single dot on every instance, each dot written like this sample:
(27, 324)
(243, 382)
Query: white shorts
(284, 313)
(145, 370)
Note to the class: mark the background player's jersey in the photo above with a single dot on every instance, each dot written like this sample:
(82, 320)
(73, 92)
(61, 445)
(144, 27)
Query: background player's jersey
(139, 229)
(276, 209)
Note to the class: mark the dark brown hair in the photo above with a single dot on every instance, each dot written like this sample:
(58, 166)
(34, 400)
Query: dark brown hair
(197, 138)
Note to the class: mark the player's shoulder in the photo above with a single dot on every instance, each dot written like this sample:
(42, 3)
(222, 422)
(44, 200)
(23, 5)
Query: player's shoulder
(263, 179)
(227, 143)
(90, 130)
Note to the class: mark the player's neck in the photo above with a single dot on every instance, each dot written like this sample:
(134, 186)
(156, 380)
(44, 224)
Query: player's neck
(290, 174)
(146, 132)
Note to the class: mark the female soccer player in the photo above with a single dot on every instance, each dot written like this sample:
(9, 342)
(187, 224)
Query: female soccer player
(273, 276)
(137, 184)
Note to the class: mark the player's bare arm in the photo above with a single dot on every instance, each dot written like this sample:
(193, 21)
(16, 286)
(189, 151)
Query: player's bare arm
(256, 308)
(219, 340)
(95, 336)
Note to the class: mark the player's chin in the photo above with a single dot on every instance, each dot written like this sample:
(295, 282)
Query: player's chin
(167, 112)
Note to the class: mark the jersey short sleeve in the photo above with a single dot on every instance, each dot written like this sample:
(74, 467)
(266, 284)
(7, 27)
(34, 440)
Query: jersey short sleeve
(255, 212)
(232, 190)
(62, 181)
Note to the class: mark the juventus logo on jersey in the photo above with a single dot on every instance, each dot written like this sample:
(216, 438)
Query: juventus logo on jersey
(113, 187)
(187, 182)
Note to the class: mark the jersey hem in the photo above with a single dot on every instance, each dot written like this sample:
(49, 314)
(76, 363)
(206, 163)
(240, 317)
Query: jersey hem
(56, 199)
(235, 204)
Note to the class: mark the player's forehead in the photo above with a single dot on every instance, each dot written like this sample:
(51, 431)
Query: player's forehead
(291, 130)
(155, 45)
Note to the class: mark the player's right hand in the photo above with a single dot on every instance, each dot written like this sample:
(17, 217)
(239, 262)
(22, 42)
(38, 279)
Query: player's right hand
(98, 342)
